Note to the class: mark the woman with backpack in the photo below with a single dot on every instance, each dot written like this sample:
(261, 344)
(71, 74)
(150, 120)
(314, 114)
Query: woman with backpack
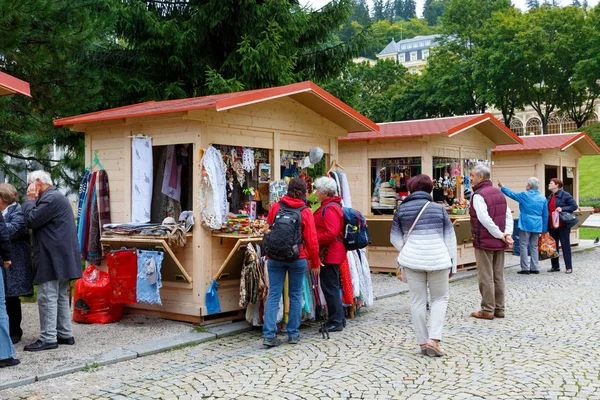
(291, 245)
(329, 221)
(423, 234)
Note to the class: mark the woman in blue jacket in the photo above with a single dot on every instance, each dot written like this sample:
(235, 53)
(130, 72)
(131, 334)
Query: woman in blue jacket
(533, 220)
(561, 201)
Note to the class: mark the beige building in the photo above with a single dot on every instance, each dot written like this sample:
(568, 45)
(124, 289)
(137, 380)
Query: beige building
(411, 53)
(527, 122)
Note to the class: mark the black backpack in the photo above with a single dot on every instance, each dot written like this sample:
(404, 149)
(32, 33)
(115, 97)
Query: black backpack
(283, 241)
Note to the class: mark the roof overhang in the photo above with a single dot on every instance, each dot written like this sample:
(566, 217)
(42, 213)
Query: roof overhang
(311, 96)
(580, 141)
(490, 127)
(306, 93)
(10, 85)
(584, 145)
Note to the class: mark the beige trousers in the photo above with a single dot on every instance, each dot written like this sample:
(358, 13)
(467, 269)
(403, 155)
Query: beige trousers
(490, 274)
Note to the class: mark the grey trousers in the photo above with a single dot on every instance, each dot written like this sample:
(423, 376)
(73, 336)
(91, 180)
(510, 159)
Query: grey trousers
(528, 244)
(437, 281)
(55, 313)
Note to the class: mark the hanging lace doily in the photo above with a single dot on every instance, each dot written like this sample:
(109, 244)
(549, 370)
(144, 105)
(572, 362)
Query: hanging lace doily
(212, 196)
(236, 164)
(248, 159)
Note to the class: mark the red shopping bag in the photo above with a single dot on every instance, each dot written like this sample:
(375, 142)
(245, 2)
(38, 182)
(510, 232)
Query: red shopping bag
(547, 247)
(92, 299)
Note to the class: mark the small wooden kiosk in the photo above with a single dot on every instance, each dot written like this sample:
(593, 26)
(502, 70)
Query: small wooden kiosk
(296, 117)
(407, 148)
(545, 157)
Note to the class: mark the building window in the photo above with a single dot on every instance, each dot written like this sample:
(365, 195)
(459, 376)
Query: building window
(533, 127)
(591, 120)
(413, 70)
(413, 56)
(402, 58)
(421, 44)
(403, 47)
(425, 54)
(428, 42)
(553, 125)
(516, 126)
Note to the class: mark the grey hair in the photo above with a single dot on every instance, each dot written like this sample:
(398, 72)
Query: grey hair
(533, 183)
(326, 185)
(483, 171)
(43, 176)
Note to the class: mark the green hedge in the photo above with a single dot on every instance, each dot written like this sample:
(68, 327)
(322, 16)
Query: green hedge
(589, 201)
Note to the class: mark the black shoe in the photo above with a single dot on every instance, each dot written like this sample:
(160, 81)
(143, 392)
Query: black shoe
(15, 339)
(68, 341)
(554, 270)
(332, 328)
(523, 272)
(9, 362)
(534, 272)
(40, 346)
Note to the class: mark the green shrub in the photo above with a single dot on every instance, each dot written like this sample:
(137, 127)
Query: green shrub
(589, 201)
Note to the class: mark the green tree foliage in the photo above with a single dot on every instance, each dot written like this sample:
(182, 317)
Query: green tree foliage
(532, 4)
(370, 90)
(405, 9)
(49, 43)
(433, 10)
(379, 10)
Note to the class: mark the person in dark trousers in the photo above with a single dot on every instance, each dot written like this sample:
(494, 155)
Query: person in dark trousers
(56, 259)
(329, 221)
(18, 278)
(7, 350)
(296, 269)
(492, 226)
(561, 201)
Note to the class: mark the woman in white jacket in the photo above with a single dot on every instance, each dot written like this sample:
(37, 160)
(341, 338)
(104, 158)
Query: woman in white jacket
(427, 257)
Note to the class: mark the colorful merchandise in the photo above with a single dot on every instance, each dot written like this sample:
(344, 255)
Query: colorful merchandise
(122, 268)
(149, 280)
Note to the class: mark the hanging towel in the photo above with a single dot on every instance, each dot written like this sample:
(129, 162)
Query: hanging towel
(122, 267)
(171, 184)
(212, 196)
(149, 279)
(141, 179)
(103, 199)
(347, 292)
(346, 197)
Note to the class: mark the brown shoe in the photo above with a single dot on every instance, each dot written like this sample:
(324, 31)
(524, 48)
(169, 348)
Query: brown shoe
(482, 315)
(499, 314)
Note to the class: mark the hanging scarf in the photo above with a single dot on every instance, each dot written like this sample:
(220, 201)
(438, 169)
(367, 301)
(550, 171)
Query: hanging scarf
(346, 197)
(212, 195)
(103, 199)
(346, 278)
(94, 248)
(82, 190)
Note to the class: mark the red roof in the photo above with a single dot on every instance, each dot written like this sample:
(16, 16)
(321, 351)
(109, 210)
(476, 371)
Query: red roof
(439, 126)
(306, 93)
(10, 85)
(562, 141)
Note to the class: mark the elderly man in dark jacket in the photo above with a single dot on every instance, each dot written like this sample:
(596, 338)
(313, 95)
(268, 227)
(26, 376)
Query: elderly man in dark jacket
(56, 259)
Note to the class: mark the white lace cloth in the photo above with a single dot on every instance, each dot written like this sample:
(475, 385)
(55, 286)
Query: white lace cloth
(248, 159)
(212, 196)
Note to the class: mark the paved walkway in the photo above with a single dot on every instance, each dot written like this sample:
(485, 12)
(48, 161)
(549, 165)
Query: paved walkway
(546, 348)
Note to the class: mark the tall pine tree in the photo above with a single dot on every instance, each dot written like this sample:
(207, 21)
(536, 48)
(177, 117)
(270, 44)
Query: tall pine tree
(531, 4)
(409, 9)
(378, 10)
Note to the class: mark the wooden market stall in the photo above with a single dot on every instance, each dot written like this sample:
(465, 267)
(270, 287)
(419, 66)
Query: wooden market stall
(379, 164)
(545, 157)
(275, 123)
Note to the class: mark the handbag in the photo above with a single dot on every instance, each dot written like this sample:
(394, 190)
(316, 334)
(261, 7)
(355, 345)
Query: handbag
(555, 219)
(566, 217)
(400, 273)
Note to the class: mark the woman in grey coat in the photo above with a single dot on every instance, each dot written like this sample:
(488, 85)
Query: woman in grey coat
(427, 258)
(18, 278)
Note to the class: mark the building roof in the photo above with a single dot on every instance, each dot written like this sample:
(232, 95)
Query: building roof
(396, 47)
(10, 85)
(580, 140)
(486, 123)
(306, 93)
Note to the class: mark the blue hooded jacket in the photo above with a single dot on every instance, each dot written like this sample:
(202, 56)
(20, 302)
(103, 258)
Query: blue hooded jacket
(533, 209)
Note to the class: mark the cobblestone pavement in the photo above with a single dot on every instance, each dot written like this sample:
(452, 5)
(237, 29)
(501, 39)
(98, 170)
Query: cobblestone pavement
(545, 348)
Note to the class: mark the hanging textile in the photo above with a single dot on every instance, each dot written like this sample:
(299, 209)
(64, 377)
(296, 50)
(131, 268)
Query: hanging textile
(248, 159)
(82, 191)
(347, 291)
(346, 197)
(122, 267)
(353, 263)
(103, 199)
(94, 248)
(253, 287)
(87, 215)
(306, 300)
(171, 184)
(149, 280)
(141, 179)
(212, 196)
(366, 288)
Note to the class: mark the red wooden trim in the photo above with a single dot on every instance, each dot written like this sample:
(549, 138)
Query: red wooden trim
(15, 85)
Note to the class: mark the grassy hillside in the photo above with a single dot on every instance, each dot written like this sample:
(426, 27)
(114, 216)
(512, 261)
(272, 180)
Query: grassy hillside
(589, 179)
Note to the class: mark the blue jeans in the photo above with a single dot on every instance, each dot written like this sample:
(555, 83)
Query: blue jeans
(277, 269)
(7, 350)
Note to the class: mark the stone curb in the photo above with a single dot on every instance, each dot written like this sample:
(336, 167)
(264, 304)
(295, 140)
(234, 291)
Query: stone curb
(136, 351)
